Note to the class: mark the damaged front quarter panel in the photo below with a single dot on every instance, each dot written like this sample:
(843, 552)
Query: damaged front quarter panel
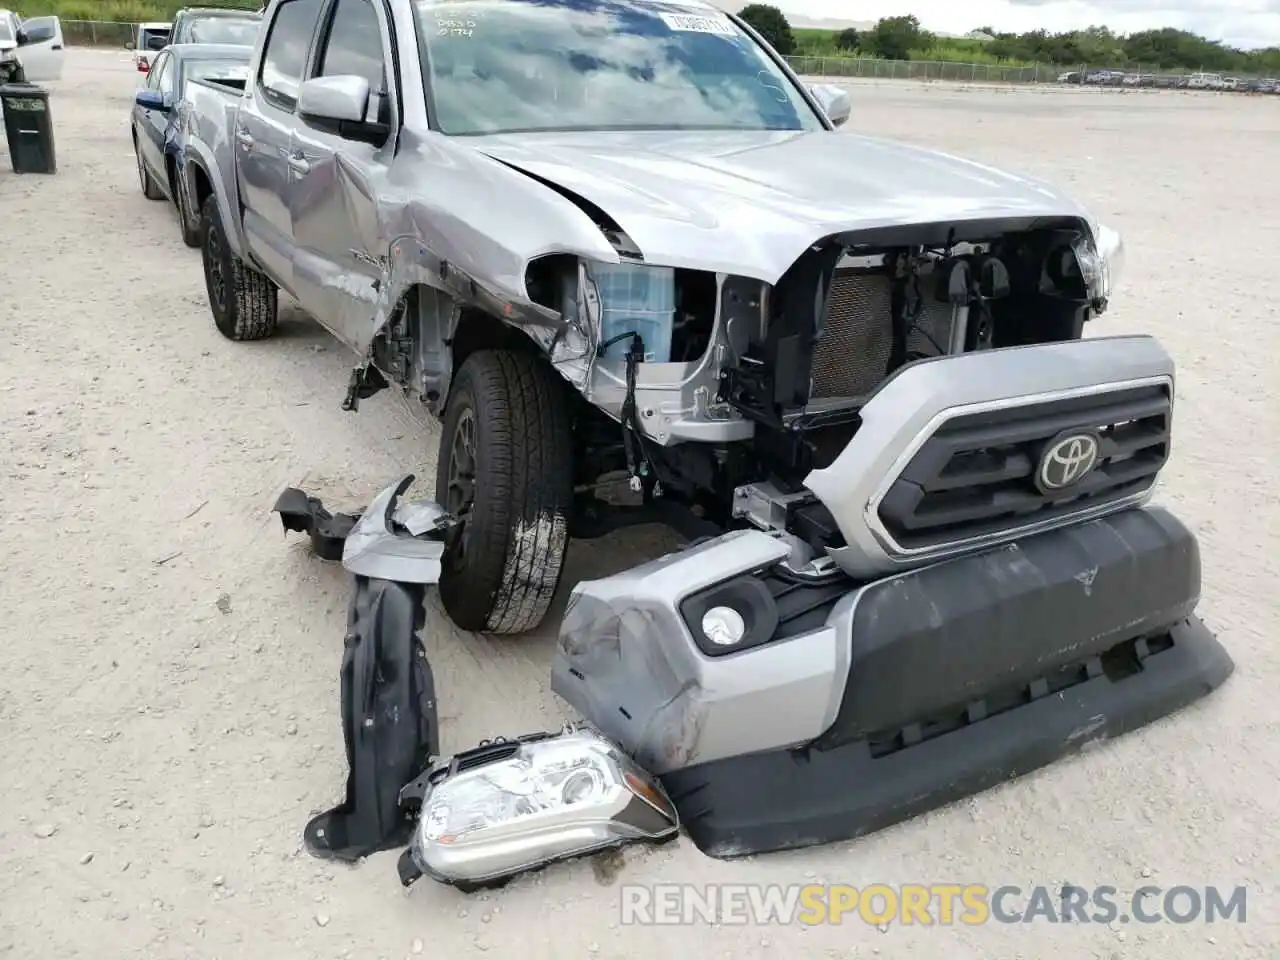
(398, 541)
(456, 232)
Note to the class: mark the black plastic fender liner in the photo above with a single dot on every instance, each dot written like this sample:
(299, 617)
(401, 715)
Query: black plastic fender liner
(789, 799)
(389, 721)
(301, 513)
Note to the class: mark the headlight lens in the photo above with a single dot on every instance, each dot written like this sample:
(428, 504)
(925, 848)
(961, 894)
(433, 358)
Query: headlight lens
(724, 626)
(509, 807)
(1110, 248)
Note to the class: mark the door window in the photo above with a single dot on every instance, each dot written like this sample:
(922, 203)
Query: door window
(285, 58)
(157, 66)
(353, 47)
(164, 75)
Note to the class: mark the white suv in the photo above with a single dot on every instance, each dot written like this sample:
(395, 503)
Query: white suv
(1206, 81)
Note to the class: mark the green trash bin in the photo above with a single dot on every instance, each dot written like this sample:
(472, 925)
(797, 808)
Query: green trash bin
(28, 128)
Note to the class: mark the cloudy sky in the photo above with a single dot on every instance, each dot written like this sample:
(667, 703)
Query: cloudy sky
(1245, 23)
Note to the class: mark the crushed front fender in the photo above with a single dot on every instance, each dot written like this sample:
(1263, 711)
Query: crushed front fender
(395, 541)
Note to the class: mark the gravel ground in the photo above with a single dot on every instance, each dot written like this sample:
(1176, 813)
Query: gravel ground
(168, 707)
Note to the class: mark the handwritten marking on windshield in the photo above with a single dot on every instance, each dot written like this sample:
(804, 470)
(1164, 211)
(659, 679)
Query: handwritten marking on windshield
(695, 24)
(455, 28)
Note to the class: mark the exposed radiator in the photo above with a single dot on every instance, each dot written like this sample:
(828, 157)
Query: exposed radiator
(853, 351)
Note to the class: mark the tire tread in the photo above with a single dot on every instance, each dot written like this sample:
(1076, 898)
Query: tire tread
(252, 308)
(521, 535)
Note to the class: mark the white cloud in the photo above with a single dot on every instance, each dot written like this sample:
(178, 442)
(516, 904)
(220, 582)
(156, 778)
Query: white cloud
(1247, 23)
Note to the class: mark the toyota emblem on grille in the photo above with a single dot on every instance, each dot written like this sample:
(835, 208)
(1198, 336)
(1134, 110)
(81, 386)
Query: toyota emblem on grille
(1068, 459)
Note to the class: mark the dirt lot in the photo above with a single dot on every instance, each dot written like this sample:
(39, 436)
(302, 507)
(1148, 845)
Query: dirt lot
(168, 701)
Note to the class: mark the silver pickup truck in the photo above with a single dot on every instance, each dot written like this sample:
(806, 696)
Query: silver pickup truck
(620, 240)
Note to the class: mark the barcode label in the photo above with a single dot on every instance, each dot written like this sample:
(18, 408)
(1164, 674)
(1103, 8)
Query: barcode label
(697, 24)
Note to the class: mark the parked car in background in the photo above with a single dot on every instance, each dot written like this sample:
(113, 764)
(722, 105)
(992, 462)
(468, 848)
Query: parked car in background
(216, 25)
(1104, 78)
(1071, 76)
(1206, 81)
(150, 39)
(35, 43)
(159, 118)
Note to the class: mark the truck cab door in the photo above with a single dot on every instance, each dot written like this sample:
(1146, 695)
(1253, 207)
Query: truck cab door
(337, 169)
(43, 54)
(263, 137)
(155, 123)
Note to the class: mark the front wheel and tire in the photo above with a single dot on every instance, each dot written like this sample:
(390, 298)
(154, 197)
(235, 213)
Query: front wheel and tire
(506, 471)
(243, 301)
(192, 235)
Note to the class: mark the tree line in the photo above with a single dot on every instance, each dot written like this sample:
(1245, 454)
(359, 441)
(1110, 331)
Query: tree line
(902, 38)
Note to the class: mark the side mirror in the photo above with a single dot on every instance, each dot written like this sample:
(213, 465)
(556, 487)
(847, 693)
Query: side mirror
(834, 101)
(128, 44)
(334, 100)
(151, 100)
(339, 105)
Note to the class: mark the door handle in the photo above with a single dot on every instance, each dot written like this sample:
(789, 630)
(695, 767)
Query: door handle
(299, 164)
(245, 139)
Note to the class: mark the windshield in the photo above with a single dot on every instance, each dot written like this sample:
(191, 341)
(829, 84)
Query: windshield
(501, 66)
(6, 32)
(216, 69)
(224, 30)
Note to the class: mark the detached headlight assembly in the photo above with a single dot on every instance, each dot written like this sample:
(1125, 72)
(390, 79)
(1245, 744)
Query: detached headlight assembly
(510, 806)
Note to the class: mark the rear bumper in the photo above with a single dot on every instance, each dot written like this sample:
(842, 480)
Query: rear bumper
(849, 707)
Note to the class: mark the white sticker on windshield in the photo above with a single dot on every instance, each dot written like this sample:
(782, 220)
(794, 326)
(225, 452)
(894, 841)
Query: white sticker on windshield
(698, 24)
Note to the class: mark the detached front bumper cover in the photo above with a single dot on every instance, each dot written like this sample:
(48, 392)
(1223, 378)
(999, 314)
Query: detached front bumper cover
(862, 706)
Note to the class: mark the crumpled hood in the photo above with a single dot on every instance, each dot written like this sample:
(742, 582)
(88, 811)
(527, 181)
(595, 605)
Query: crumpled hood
(750, 202)
(7, 45)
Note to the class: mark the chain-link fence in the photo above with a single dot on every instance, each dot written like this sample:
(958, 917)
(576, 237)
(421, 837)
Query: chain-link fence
(875, 69)
(1113, 76)
(98, 33)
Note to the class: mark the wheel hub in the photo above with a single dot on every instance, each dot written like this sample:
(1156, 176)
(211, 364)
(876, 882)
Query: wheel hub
(461, 491)
(214, 269)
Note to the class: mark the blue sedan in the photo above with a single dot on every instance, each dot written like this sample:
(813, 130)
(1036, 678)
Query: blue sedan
(159, 113)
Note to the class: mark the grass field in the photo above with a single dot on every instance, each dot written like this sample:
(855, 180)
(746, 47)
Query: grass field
(124, 11)
(824, 43)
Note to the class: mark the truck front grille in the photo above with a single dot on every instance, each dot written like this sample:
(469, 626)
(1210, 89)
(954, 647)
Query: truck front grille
(975, 475)
(852, 355)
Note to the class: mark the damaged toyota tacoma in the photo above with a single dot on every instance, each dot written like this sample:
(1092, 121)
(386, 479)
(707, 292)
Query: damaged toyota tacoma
(604, 239)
